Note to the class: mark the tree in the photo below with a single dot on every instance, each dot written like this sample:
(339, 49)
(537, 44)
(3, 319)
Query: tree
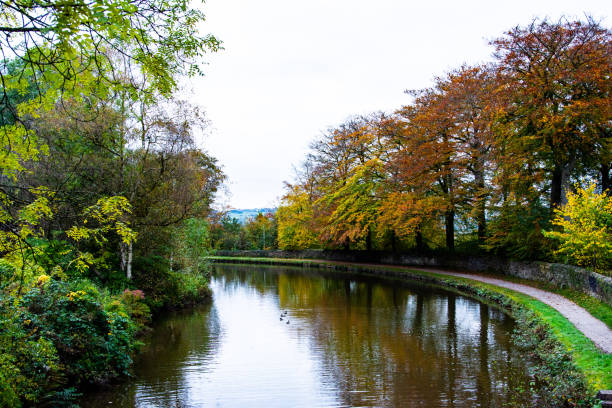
(261, 231)
(89, 57)
(585, 234)
(295, 220)
(354, 206)
(429, 162)
(469, 94)
(58, 41)
(559, 77)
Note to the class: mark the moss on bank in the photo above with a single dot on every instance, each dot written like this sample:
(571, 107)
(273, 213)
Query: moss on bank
(569, 368)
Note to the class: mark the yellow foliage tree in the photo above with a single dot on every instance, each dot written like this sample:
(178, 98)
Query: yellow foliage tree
(294, 217)
(586, 229)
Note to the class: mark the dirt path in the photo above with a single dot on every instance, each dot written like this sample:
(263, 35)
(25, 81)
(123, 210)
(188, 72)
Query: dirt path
(593, 328)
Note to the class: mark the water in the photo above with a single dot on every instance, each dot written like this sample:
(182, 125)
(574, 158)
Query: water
(345, 341)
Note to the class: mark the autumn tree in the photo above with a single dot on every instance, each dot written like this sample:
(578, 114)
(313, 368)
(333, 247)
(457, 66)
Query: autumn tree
(429, 163)
(559, 105)
(295, 220)
(346, 173)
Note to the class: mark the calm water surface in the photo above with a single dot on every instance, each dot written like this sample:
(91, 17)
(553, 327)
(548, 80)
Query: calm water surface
(345, 341)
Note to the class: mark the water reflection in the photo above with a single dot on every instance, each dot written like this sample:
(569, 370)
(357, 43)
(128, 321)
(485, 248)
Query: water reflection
(350, 342)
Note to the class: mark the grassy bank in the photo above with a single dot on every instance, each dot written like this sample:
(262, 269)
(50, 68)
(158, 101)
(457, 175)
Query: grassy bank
(568, 365)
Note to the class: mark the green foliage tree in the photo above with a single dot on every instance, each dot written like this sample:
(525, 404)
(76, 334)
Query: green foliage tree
(192, 241)
(94, 153)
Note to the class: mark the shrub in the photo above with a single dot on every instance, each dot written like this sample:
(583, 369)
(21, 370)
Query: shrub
(586, 229)
(93, 344)
(134, 303)
(29, 363)
(165, 288)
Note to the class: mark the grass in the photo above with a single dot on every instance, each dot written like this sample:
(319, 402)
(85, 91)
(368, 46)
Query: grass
(594, 306)
(594, 364)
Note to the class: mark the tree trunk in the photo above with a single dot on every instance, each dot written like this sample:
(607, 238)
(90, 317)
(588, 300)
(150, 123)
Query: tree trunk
(393, 241)
(449, 218)
(369, 240)
(418, 237)
(128, 270)
(555, 187)
(481, 205)
(126, 252)
(123, 253)
(606, 182)
(559, 186)
(347, 244)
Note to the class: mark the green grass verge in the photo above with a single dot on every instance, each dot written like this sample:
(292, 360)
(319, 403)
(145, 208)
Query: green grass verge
(594, 306)
(594, 364)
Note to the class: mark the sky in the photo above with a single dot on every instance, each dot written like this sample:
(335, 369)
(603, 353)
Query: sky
(292, 69)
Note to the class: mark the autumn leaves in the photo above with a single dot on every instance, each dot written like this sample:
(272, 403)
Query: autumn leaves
(481, 157)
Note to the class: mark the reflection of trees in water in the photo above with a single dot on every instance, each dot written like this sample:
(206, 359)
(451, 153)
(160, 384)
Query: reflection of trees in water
(182, 340)
(232, 278)
(178, 341)
(409, 345)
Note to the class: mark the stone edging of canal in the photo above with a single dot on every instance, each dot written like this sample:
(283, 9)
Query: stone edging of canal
(572, 367)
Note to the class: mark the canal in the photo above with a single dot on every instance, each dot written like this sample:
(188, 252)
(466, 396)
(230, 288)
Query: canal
(288, 337)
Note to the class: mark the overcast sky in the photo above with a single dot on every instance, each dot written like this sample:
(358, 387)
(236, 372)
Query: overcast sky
(292, 69)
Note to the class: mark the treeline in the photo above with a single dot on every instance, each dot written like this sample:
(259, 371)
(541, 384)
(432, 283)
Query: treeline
(103, 190)
(478, 161)
(259, 232)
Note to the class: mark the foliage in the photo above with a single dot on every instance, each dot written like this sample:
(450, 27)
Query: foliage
(556, 79)
(480, 160)
(60, 333)
(192, 241)
(353, 206)
(586, 229)
(59, 39)
(165, 288)
(517, 230)
(135, 306)
(259, 232)
(294, 217)
(95, 152)
(94, 345)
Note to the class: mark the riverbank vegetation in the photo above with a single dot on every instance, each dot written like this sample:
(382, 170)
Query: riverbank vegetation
(512, 158)
(103, 189)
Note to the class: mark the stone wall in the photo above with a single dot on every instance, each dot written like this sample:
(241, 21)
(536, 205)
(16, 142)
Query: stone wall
(560, 275)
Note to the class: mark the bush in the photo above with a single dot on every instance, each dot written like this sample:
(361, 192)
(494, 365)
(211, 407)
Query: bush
(164, 288)
(586, 229)
(93, 344)
(61, 334)
(135, 306)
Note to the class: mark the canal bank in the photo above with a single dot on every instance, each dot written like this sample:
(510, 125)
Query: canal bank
(570, 364)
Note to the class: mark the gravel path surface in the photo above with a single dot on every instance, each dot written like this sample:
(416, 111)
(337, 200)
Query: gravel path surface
(593, 328)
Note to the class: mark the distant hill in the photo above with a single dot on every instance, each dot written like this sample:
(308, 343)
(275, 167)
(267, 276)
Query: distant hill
(242, 215)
